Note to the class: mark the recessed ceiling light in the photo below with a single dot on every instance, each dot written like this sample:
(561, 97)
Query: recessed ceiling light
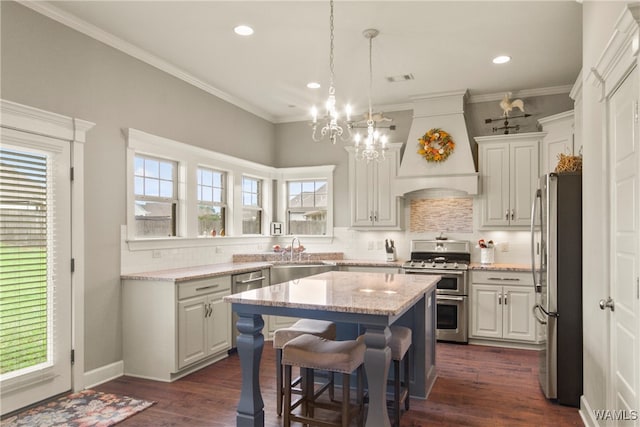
(243, 30)
(502, 59)
(313, 85)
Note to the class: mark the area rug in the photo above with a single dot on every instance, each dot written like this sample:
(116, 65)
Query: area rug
(83, 409)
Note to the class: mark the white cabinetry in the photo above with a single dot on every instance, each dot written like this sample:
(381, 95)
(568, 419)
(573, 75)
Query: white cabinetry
(171, 329)
(509, 178)
(501, 304)
(558, 140)
(373, 205)
(202, 316)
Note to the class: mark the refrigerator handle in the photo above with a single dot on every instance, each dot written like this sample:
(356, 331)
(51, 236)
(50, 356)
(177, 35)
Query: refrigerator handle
(534, 210)
(535, 314)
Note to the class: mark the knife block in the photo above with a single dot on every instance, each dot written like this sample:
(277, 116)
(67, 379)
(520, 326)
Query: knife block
(391, 256)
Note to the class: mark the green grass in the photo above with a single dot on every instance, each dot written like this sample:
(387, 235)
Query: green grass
(23, 307)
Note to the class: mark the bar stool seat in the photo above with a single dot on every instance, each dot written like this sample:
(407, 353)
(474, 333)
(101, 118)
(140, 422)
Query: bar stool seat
(400, 343)
(320, 328)
(311, 352)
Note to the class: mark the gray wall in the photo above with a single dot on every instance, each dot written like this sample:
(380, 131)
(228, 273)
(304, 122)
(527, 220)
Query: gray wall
(50, 66)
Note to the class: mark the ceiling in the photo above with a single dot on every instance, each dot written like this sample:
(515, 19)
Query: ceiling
(447, 46)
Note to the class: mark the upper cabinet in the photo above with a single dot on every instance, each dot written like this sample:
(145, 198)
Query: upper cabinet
(509, 174)
(373, 205)
(559, 139)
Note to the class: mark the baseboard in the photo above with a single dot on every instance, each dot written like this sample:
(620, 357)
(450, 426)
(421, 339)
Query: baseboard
(103, 374)
(586, 413)
(505, 344)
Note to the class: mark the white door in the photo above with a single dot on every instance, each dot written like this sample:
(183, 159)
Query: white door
(625, 238)
(35, 278)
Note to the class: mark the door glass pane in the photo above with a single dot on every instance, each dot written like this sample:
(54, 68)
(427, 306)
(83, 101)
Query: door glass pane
(24, 262)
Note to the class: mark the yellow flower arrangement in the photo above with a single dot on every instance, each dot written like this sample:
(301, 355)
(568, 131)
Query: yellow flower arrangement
(435, 145)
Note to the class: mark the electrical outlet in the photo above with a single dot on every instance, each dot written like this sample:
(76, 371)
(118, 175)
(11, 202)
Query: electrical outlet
(156, 254)
(370, 245)
(504, 247)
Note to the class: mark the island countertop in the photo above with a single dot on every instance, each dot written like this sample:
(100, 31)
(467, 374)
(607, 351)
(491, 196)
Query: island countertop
(345, 292)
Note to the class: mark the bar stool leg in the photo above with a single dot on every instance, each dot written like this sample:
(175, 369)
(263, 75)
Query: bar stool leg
(396, 393)
(287, 396)
(360, 396)
(407, 380)
(346, 387)
(279, 388)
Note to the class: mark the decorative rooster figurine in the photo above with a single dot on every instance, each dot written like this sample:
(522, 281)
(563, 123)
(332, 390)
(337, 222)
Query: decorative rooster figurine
(508, 105)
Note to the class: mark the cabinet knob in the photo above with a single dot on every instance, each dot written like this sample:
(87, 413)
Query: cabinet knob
(513, 214)
(506, 214)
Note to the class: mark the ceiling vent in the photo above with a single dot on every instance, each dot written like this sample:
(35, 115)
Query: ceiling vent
(400, 78)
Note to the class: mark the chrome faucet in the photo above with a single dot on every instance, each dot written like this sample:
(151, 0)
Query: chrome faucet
(293, 241)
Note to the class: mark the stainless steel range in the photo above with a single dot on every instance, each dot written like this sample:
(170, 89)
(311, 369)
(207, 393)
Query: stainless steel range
(449, 259)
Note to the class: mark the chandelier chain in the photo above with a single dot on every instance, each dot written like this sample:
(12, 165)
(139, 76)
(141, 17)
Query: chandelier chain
(331, 69)
(370, 118)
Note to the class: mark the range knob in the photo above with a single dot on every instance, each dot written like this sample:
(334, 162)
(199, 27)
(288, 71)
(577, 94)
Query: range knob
(455, 265)
(422, 264)
(412, 264)
(433, 264)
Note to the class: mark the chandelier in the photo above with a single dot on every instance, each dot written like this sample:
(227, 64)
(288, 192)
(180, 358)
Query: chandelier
(331, 125)
(374, 144)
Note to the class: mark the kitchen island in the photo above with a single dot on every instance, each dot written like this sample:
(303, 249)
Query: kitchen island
(372, 300)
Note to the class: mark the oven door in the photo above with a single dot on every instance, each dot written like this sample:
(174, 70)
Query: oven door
(452, 312)
(453, 282)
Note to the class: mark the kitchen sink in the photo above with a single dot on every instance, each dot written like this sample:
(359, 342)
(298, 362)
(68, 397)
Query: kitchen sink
(285, 272)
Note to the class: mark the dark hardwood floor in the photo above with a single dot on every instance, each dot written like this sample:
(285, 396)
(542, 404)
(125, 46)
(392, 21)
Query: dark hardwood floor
(476, 386)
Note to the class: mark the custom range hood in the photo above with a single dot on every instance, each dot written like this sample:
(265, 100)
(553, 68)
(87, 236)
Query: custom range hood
(458, 171)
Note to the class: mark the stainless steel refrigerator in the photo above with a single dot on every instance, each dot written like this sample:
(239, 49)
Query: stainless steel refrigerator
(556, 256)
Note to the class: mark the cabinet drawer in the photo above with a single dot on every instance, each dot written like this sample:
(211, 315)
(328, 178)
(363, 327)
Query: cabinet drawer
(502, 278)
(194, 288)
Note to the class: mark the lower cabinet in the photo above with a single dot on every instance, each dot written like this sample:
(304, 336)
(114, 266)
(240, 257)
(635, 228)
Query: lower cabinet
(201, 326)
(171, 329)
(502, 311)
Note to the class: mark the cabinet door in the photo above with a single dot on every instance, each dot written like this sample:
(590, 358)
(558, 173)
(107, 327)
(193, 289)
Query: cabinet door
(524, 181)
(552, 150)
(518, 322)
(385, 204)
(495, 184)
(363, 189)
(486, 311)
(218, 324)
(192, 344)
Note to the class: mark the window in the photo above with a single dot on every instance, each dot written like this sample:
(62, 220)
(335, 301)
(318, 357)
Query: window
(156, 197)
(251, 206)
(307, 207)
(211, 202)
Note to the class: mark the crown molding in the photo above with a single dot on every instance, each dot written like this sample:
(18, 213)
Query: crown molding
(545, 91)
(130, 49)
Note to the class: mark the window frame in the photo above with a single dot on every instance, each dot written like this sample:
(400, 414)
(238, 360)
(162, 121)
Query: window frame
(253, 208)
(189, 159)
(174, 201)
(311, 173)
(224, 194)
(303, 209)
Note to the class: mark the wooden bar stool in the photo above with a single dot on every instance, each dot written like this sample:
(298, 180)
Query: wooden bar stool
(310, 352)
(400, 343)
(320, 328)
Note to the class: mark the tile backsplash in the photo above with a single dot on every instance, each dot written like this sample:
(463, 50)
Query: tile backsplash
(434, 215)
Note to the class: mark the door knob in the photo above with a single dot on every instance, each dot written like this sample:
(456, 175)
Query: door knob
(607, 303)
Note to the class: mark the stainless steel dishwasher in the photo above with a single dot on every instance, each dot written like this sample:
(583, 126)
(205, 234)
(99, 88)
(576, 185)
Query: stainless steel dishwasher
(245, 282)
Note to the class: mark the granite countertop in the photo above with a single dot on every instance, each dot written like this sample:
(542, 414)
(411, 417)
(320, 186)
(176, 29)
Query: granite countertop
(343, 291)
(500, 267)
(368, 263)
(198, 272)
